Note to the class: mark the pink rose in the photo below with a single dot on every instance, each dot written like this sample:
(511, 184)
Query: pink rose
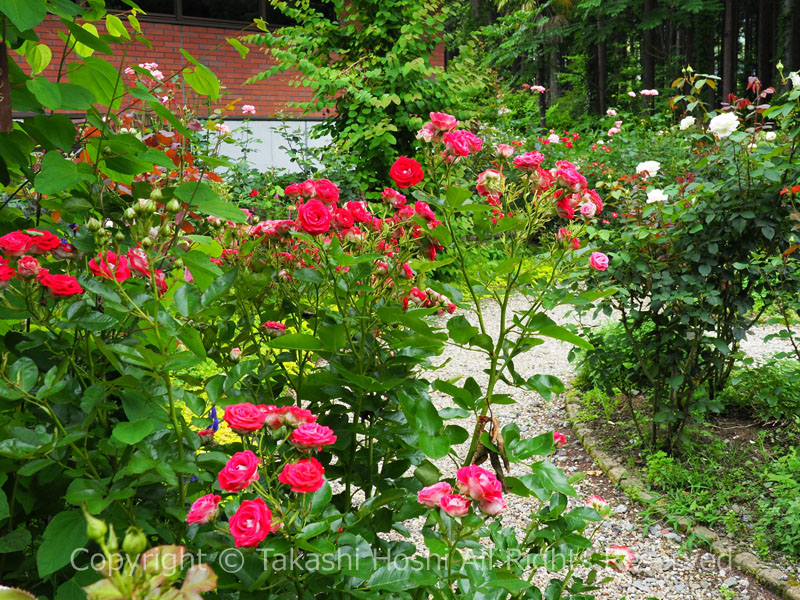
(462, 142)
(312, 435)
(587, 210)
(393, 198)
(240, 471)
(342, 219)
(15, 243)
(251, 523)
(430, 496)
(305, 476)
(28, 267)
(294, 415)
(570, 179)
(565, 208)
(417, 295)
(505, 150)
(274, 328)
(490, 183)
(423, 210)
(137, 259)
(204, 509)
(599, 504)
(559, 439)
(494, 506)
(406, 271)
(593, 197)
(42, 241)
(529, 161)
(359, 211)
(326, 190)
(248, 109)
(406, 172)
(274, 417)
(314, 217)
(454, 505)
(599, 261)
(110, 266)
(543, 180)
(478, 483)
(620, 558)
(244, 418)
(443, 121)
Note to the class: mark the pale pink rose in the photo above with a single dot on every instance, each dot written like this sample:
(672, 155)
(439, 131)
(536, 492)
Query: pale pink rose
(248, 109)
(490, 182)
(236, 353)
(430, 496)
(478, 483)
(538, 88)
(505, 150)
(599, 504)
(620, 558)
(599, 261)
(613, 131)
(393, 198)
(611, 112)
(632, 94)
(454, 505)
(588, 210)
(427, 134)
(618, 123)
(494, 506)
(204, 509)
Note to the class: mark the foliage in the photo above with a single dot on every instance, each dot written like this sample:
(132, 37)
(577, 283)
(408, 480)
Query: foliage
(372, 64)
(780, 508)
(770, 390)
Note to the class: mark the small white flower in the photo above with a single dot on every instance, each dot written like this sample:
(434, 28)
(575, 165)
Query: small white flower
(687, 122)
(656, 195)
(503, 110)
(651, 166)
(752, 147)
(553, 138)
(723, 125)
(770, 136)
(795, 78)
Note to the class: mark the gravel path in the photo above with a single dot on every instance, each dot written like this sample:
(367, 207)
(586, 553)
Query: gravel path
(664, 569)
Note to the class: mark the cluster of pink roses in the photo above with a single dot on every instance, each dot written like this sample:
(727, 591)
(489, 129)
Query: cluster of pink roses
(429, 299)
(457, 142)
(474, 484)
(253, 521)
(21, 245)
(120, 267)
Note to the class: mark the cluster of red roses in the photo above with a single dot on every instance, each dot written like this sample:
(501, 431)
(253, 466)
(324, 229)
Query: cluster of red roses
(474, 484)
(120, 267)
(22, 245)
(253, 521)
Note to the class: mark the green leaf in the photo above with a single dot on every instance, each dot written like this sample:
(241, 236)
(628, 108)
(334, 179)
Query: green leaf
(560, 333)
(433, 445)
(200, 194)
(24, 14)
(240, 48)
(320, 499)
(192, 339)
(203, 271)
(87, 38)
(115, 27)
(187, 300)
(100, 78)
(132, 432)
(218, 287)
(24, 373)
(57, 174)
(17, 540)
(65, 533)
(541, 445)
(45, 91)
(200, 78)
(38, 57)
(296, 341)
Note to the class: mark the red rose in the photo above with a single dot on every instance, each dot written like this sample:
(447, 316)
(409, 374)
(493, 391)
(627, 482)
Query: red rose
(253, 193)
(28, 267)
(240, 472)
(244, 417)
(312, 435)
(251, 523)
(326, 190)
(564, 208)
(137, 258)
(110, 266)
(529, 161)
(359, 211)
(161, 281)
(314, 217)
(6, 273)
(294, 415)
(42, 241)
(293, 190)
(304, 477)
(406, 172)
(60, 286)
(342, 218)
(443, 121)
(15, 243)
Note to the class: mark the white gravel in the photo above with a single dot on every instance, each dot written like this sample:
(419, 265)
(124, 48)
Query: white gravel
(663, 568)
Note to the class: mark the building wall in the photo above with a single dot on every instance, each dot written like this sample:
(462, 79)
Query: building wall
(271, 97)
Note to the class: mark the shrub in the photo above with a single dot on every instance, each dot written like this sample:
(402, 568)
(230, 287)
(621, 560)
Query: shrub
(770, 391)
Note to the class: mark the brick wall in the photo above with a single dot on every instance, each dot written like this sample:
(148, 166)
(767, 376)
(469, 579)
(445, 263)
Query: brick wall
(208, 45)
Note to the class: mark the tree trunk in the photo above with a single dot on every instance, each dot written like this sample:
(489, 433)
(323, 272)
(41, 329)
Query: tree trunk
(767, 24)
(730, 49)
(648, 62)
(792, 62)
(602, 76)
(541, 78)
(555, 67)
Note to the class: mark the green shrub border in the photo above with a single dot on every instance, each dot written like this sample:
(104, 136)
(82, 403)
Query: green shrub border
(770, 577)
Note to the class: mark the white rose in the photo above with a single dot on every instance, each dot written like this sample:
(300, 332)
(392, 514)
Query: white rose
(795, 78)
(723, 125)
(656, 195)
(770, 136)
(553, 138)
(687, 122)
(651, 166)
